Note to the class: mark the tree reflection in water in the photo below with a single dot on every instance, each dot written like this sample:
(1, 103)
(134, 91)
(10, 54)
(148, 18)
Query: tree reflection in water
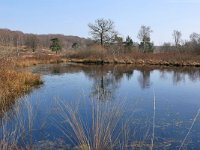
(106, 78)
(105, 83)
(144, 79)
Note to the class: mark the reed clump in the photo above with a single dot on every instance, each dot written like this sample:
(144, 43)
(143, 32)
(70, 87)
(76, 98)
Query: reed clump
(94, 127)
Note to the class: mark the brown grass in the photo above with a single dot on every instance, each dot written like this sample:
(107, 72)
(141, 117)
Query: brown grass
(13, 84)
(165, 58)
(35, 59)
(99, 55)
(95, 52)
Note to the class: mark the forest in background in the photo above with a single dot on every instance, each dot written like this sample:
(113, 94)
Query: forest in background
(14, 39)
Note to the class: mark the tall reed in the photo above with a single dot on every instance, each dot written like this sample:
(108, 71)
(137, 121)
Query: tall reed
(97, 126)
(17, 126)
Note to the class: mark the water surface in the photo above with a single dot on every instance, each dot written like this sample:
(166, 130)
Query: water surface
(172, 123)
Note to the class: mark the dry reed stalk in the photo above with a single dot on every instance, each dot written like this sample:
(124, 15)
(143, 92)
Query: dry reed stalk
(98, 129)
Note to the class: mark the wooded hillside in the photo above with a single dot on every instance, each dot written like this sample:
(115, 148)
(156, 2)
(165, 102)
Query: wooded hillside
(10, 38)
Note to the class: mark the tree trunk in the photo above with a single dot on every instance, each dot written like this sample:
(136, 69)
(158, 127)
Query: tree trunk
(101, 39)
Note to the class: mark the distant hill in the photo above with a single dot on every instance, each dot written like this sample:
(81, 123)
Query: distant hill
(14, 38)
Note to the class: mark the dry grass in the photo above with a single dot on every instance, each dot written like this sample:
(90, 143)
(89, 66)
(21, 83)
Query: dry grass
(97, 127)
(95, 51)
(27, 58)
(38, 58)
(98, 55)
(13, 84)
(17, 126)
(165, 58)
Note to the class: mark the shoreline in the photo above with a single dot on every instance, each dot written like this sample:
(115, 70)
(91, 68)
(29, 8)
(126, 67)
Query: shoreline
(26, 62)
(137, 62)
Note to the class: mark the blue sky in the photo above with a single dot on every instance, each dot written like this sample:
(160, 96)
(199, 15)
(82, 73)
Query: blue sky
(71, 17)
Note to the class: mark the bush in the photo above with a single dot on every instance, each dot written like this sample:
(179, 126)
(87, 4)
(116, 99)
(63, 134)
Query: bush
(95, 51)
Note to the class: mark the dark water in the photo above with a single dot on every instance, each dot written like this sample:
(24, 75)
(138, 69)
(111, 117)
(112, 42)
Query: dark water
(172, 123)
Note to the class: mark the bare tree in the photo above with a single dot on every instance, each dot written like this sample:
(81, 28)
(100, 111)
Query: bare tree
(32, 42)
(16, 39)
(103, 31)
(144, 33)
(194, 42)
(195, 38)
(177, 37)
(144, 36)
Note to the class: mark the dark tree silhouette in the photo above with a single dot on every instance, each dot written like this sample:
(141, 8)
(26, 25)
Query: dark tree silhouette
(55, 46)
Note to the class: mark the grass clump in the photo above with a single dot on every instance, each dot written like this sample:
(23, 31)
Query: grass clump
(99, 126)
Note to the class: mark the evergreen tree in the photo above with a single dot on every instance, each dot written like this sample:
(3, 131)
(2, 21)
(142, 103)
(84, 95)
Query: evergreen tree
(146, 45)
(75, 45)
(129, 43)
(55, 45)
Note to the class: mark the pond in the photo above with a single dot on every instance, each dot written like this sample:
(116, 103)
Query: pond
(109, 106)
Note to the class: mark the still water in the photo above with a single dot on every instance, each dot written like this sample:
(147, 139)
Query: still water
(160, 106)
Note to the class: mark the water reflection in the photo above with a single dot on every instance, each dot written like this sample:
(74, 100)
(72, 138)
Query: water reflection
(180, 74)
(129, 74)
(144, 78)
(107, 77)
(104, 86)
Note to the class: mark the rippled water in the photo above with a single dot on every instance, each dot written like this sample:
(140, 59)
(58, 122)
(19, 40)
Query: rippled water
(160, 105)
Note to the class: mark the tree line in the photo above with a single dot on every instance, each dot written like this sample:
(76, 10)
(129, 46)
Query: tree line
(104, 33)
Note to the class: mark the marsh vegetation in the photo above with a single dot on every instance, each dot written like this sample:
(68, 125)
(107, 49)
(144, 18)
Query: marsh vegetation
(14, 84)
